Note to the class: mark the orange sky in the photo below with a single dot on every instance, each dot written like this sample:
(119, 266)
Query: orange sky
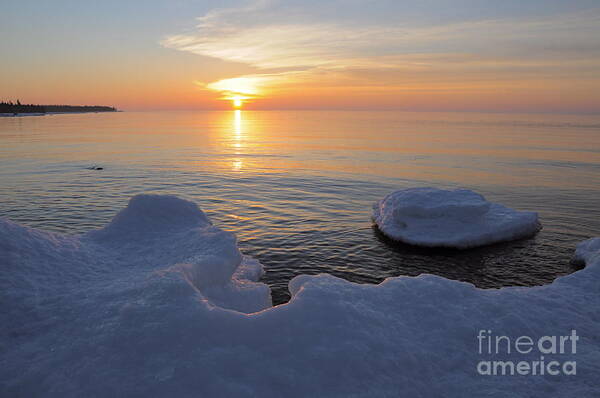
(270, 55)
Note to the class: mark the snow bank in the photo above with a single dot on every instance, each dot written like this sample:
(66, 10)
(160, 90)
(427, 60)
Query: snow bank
(460, 218)
(160, 303)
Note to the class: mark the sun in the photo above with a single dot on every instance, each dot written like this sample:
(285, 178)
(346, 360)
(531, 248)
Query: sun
(237, 102)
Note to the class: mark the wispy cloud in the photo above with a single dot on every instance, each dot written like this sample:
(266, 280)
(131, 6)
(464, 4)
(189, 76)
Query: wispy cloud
(289, 48)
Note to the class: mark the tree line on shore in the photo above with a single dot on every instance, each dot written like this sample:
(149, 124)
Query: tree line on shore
(17, 107)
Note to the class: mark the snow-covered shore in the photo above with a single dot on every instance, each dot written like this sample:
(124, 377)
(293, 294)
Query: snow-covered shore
(162, 303)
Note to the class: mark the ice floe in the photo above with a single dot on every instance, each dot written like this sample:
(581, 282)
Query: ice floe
(162, 303)
(450, 218)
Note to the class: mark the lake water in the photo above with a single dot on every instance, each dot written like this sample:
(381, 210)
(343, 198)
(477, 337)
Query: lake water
(297, 187)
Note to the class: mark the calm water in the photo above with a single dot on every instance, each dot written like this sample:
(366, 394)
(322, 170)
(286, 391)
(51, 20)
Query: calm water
(297, 187)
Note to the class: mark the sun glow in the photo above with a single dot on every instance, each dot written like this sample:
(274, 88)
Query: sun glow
(239, 85)
(240, 90)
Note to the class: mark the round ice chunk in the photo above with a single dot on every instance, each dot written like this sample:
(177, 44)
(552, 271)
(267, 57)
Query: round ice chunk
(450, 218)
(436, 203)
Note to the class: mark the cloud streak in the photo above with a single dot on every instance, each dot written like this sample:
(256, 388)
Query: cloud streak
(289, 50)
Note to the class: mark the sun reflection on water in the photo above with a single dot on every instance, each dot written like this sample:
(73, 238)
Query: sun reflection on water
(237, 163)
(237, 124)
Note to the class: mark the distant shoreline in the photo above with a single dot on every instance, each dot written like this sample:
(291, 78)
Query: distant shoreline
(23, 114)
(17, 109)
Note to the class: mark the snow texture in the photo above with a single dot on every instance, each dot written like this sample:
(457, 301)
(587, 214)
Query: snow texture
(161, 303)
(441, 218)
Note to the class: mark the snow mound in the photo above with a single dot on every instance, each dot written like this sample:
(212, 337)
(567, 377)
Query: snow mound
(587, 251)
(146, 215)
(459, 218)
(156, 306)
(152, 234)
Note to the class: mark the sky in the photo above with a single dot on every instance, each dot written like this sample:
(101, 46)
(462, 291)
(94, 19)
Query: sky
(420, 55)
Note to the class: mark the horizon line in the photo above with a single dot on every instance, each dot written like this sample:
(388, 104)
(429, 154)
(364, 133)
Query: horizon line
(524, 112)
